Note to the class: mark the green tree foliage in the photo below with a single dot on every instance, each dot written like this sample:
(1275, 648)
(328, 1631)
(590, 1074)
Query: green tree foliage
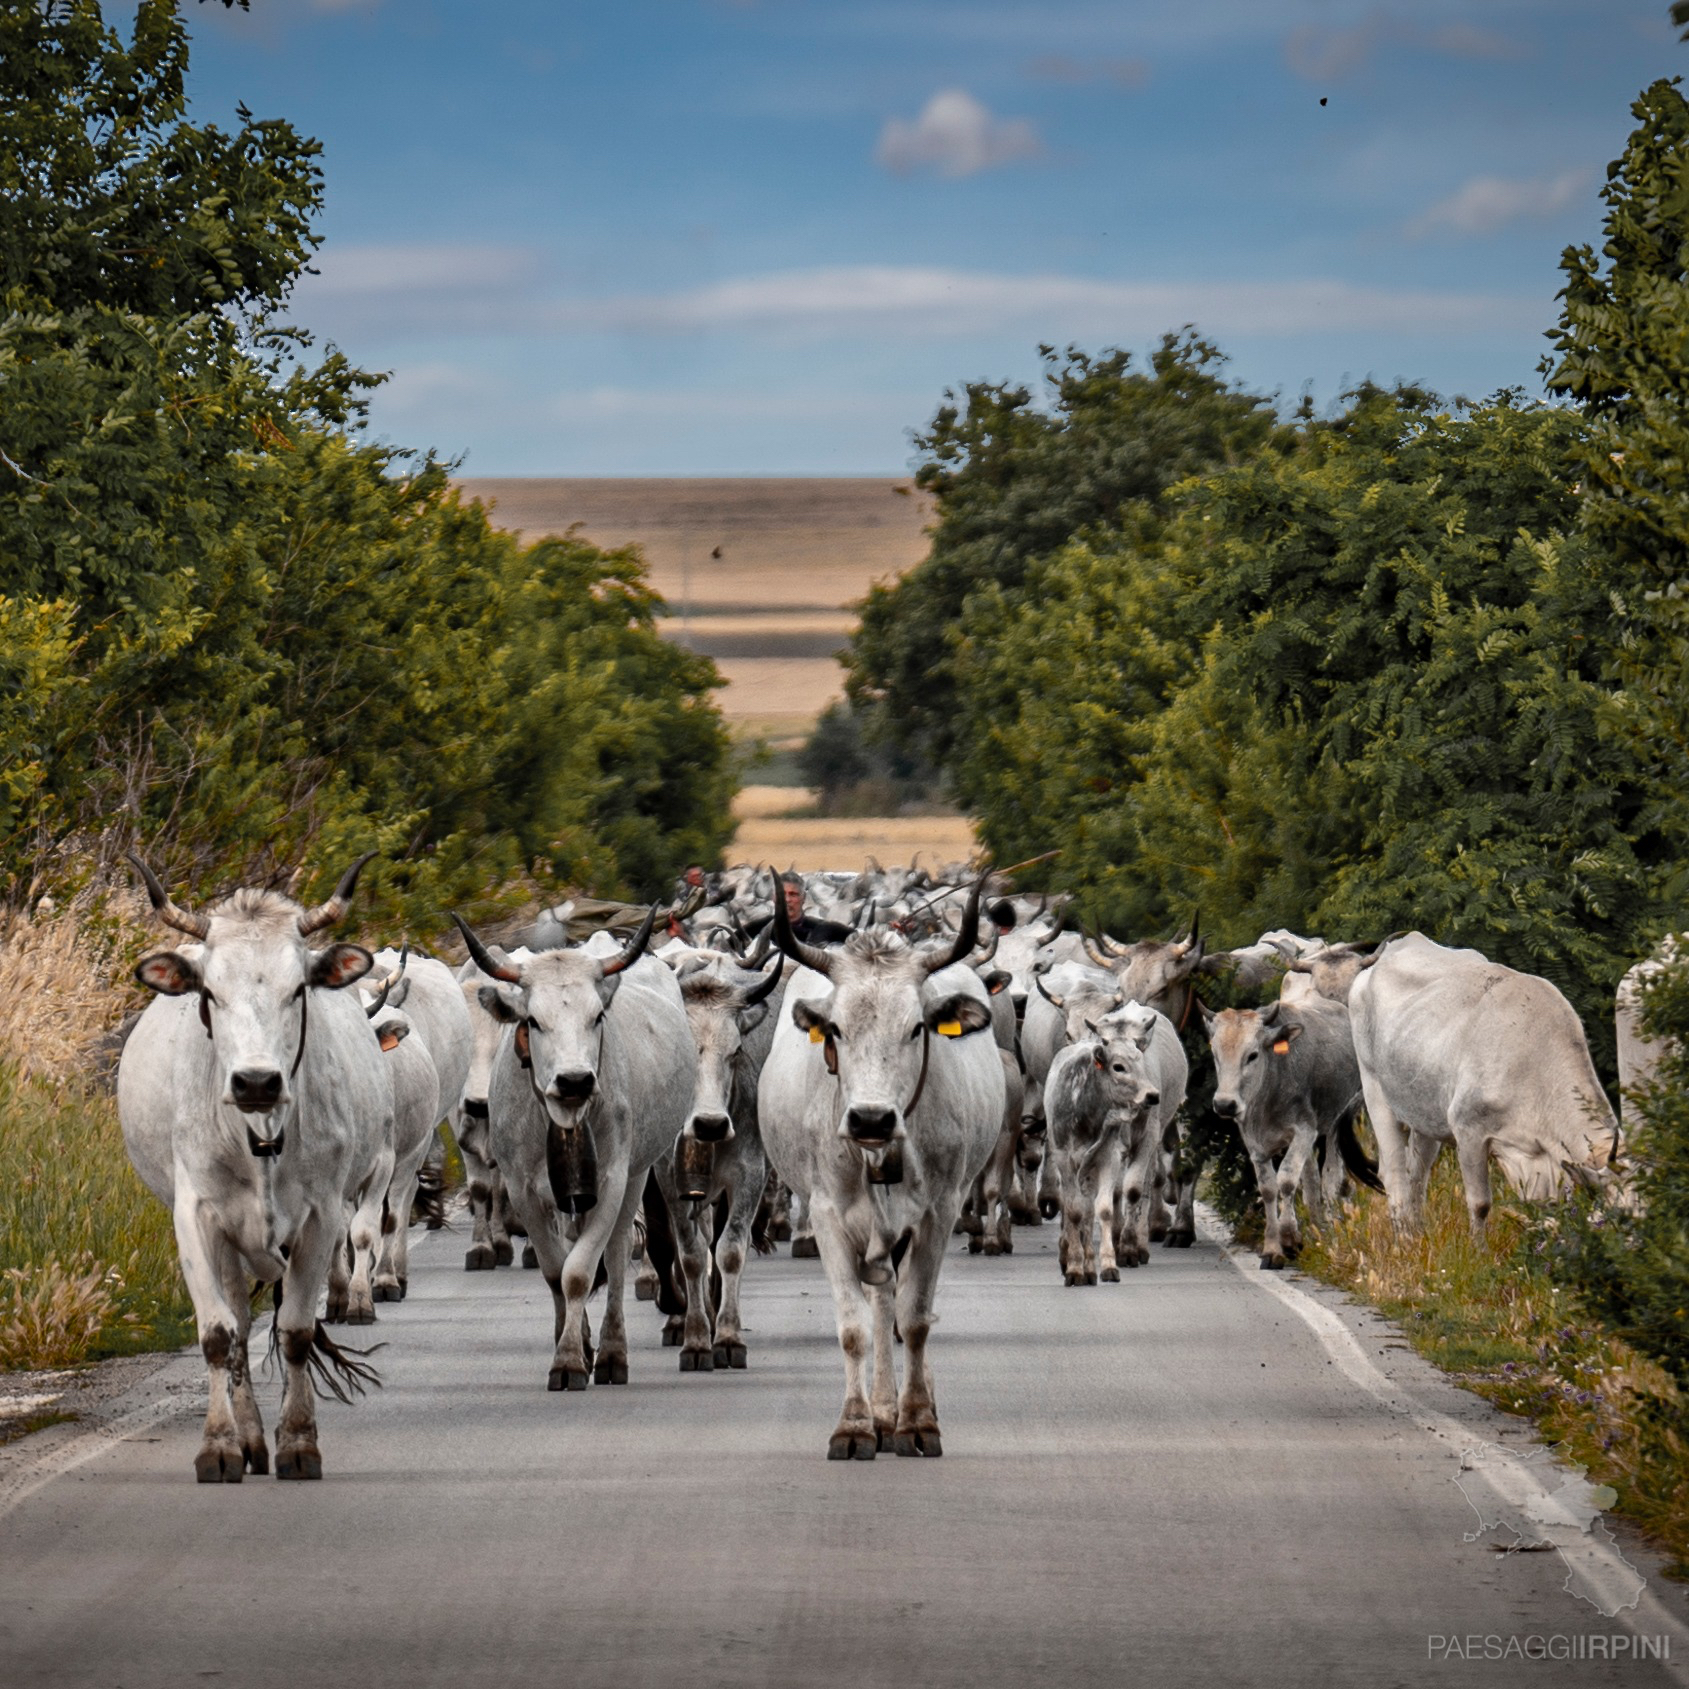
(227, 628)
(1014, 481)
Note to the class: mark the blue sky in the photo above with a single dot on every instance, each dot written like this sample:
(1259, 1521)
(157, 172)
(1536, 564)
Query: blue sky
(706, 237)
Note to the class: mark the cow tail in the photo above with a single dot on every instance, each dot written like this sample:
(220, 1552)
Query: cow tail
(429, 1203)
(340, 1372)
(659, 1245)
(1361, 1166)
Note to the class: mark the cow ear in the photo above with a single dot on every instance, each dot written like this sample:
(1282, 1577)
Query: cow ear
(1281, 1043)
(808, 1018)
(751, 1017)
(493, 1001)
(168, 974)
(957, 1016)
(392, 1033)
(1146, 1035)
(336, 967)
(997, 981)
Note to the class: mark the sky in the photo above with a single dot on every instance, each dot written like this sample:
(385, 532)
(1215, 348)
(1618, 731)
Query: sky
(706, 237)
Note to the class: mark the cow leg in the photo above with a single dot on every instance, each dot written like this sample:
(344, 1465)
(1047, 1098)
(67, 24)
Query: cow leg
(855, 1436)
(691, 1229)
(730, 1250)
(805, 1246)
(1422, 1153)
(1472, 1149)
(1049, 1189)
(1391, 1138)
(883, 1399)
(917, 1409)
(473, 1145)
(392, 1273)
(1106, 1206)
(1140, 1181)
(1303, 1136)
(313, 1244)
(1075, 1224)
(993, 1185)
(249, 1422)
(1266, 1183)
(499, 1217)
(611, 1366)
(570, 1364)
(203, 1254)
(365, 1236)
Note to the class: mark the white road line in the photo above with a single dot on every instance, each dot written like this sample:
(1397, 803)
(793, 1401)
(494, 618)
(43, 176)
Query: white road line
(68, 1456)
(1515, 1482)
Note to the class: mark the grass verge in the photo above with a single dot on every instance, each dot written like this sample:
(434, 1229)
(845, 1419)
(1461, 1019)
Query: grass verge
(1488, 1314)
(87, 1253)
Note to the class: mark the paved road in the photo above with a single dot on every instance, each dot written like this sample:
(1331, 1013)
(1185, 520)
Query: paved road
(1167, 1481)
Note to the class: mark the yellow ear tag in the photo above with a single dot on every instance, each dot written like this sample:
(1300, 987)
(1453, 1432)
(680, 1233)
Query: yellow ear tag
(816, 1036)
(1282, 1047)
(950, 1029)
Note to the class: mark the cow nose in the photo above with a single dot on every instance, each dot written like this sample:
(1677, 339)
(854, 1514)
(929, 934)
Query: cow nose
(712, 1128)
(255, 1087)
(1151, 1099)
(575, 1086)
(870, 1125)
(1226, 1107)
(475, 1107)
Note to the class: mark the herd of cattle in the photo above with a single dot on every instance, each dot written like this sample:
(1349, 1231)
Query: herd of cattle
(887, 1071)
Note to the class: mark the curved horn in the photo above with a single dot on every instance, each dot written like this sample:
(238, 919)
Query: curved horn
(758, 992)
(380, 1002)
(326, 914)
(1194, 942)
(966, 939)
(1054, 1002)
(635, 947)
(990, 950)
(173, 915)
(865, 915)
(759, 950)
(1099, 957)
(483, 957)
(1270, 1013)
(813, 956)
(1298, 965)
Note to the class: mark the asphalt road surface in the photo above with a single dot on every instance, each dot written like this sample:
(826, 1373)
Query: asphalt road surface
(1199, 1476)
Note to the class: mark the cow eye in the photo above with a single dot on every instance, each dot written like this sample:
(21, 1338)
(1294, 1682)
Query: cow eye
(915, 1030)
(1254, 1055)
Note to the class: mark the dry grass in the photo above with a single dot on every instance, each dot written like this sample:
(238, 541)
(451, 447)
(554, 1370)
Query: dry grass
(1485, 1312)
(838, 842)
(87, 1254)
(779, 686)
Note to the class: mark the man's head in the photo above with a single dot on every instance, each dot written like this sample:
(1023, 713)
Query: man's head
(694, 876)
(793, 889)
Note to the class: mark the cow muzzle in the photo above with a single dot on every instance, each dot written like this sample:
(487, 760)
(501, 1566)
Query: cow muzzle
(711, 1128)
(1225, 1107)
(255, 1090)
(869, 1126)
(575, 1087)
(475, 1107)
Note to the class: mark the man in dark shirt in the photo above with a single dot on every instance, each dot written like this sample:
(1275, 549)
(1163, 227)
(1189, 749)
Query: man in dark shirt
(809, 929)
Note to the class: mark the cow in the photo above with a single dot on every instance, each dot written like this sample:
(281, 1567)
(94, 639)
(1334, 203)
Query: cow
(250, 1092)
(988, 1216)
(1286, 1075)
(590, 1087)
(1455, 1048)
(1110, 1098)
(879, 1102)
(489, 1216)
(727, 1013)
(1639, 1055)
(1327, 971)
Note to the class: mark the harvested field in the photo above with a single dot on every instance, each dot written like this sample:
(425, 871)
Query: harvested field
(768, 834)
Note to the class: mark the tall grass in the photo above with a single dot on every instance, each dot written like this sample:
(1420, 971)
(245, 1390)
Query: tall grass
(87, 1253)
(1488, 1312)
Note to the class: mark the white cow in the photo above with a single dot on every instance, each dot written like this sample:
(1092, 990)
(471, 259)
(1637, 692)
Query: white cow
(1456, 1048)
(590, 1086)
(1639, 1055)
(880, 1104)
(1110, 1099)
(252, 1092)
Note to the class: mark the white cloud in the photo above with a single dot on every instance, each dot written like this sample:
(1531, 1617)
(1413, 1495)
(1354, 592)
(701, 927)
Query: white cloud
(361, 271)
(1488, 203)
(956, 136)
(1325, 54)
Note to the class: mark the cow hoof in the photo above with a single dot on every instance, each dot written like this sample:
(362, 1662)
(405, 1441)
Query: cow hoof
(1129, 1258)
(1073, 1278)
(674, 1332)
(736, 1357)
(479, 1259)
(645, 1290)
(1272, 1263)
(1111, 1275)
(300, 1463)
(611, 1369)
(503, 1254)
(852, 1445)
(385, 1293)
(1157, 1233)
(257, 1459)
(219, 1466)
(926, 1443)
(361, 1316)
(805, 1249)
(1090, 1278)
(782, 1231)
(992, 1247)
(530, 1256)
(1049, 1207)
(404, 1288)
(976, 1246)
(565, 1378)
(1006, 1246)
(697, 1360)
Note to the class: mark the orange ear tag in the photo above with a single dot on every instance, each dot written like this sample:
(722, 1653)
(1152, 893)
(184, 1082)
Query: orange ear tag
(1282, 1047)
(389, 1042)
(816, 1035)
(950, 1029)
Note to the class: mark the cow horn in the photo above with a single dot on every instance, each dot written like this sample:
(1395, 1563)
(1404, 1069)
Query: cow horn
(173, 915)
(1054, 1002)
(1194, 942)
(483, 957)
(1270, 1013)
(326, 914)
(759, 950)
(990, 951)
(1298, 965)
(757, 992)
(814, 956)
(635, 947)
(1108, 944)
(865, 915)
(966, 939)
(1099, 957)
(380, 1002)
